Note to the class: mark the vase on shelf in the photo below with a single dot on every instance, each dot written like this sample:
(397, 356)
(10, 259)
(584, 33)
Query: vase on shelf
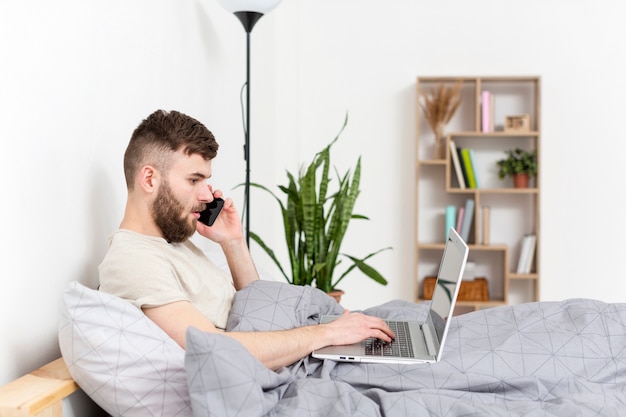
(439, 105)
(439, 151)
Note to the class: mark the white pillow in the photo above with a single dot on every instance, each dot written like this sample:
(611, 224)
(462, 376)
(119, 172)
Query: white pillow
(126, 363)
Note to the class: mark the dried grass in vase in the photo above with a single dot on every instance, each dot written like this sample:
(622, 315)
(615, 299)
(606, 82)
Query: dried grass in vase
(439, 105)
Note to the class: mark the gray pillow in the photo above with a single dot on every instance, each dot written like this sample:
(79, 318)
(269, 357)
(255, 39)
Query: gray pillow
(126, 363)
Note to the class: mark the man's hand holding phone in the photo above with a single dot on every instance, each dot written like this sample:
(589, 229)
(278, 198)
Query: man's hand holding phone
(220, 221)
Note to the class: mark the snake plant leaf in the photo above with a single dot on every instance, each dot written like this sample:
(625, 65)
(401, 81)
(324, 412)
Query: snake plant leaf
(270, 252)
(368, 270)
(361, 261)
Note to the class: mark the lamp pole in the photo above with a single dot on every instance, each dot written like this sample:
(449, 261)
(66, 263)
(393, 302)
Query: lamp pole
(248, 20)
(248, 12)
(246, 145)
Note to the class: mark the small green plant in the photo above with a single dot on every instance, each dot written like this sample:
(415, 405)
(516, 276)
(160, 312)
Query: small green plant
(518, 161)
(315, 224)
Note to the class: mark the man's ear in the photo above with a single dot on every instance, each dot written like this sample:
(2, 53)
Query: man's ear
(149, 179)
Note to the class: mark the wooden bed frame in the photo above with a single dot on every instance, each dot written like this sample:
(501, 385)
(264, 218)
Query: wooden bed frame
(38, 394)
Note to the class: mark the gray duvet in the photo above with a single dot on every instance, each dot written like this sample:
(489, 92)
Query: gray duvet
(538, 359)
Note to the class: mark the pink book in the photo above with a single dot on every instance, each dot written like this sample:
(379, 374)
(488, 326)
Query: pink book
(486, 111)
(459, 219)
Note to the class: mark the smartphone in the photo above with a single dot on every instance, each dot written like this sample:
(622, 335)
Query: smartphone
(208, 215)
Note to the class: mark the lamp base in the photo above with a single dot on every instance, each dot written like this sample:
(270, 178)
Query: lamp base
(248, 19)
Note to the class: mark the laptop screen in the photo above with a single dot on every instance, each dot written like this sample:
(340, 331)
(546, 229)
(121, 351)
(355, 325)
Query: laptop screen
(448, 279)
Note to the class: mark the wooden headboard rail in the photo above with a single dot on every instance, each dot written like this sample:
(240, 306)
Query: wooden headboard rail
(38, 394)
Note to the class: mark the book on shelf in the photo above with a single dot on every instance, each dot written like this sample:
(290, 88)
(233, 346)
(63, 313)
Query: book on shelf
(486, 223)
(454, 155)
(486, 111)
(450, 219)
(478, 226)
(526, 254)
(468, 216)
(467, 165)
(459, 219)
(522, 256)
(492, 114)
(459, 151)
(531, 254)
(473, 163)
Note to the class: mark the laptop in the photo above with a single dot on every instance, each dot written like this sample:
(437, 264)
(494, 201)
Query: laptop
(416, 342)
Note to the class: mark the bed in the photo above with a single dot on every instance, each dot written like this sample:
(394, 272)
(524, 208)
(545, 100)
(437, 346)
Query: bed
(563, 358)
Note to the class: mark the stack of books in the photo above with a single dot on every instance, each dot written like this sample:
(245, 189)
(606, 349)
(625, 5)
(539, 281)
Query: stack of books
(464, 166)
(462, 218)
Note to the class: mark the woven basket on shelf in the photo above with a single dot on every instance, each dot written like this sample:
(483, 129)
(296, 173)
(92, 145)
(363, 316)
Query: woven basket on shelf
(476, 290)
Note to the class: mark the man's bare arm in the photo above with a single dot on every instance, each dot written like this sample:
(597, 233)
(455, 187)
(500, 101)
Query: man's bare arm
(227, 231)
(240, 263)
(275, 348)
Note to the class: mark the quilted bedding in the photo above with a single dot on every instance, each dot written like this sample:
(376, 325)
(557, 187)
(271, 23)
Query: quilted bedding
(539, 359)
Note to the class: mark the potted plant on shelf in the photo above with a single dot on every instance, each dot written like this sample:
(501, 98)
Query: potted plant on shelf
(439, 105)
(518, 164)
(315, 222)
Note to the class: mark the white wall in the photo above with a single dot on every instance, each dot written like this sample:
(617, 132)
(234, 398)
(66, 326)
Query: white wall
(77, 77)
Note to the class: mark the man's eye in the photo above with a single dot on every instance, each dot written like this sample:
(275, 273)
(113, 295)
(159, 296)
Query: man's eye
(193, 181)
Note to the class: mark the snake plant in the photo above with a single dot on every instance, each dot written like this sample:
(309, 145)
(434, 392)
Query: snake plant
(315, 222)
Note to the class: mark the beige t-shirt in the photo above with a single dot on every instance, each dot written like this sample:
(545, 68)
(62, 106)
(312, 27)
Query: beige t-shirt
(149, 272)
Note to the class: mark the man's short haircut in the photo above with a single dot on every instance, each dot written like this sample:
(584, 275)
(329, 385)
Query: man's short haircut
(161, 135)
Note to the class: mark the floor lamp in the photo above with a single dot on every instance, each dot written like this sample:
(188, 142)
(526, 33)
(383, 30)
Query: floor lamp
(248, 12)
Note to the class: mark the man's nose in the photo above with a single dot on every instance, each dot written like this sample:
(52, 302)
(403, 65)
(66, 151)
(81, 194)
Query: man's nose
(206, 195)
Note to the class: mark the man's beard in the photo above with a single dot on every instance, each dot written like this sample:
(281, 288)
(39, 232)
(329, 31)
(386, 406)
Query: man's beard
(170, 215)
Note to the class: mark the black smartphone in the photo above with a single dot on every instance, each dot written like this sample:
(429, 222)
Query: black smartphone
(208, 215)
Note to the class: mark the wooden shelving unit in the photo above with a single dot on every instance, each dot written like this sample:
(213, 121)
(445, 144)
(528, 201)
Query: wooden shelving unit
(514, 212)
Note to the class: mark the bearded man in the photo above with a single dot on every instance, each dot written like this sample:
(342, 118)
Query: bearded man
(152, 263)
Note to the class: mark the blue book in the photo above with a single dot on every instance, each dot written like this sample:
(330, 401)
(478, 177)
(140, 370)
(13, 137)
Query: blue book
(467, 219)
(450, 220)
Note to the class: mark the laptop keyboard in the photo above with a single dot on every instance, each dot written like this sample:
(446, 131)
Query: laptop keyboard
(401, 346)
